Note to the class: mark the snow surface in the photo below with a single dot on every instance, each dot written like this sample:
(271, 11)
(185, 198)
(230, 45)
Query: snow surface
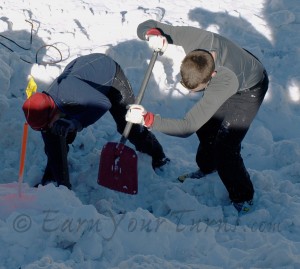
(168, 224)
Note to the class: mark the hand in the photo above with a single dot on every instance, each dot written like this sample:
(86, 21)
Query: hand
(156, 40)
(62, 127)
(137, 114)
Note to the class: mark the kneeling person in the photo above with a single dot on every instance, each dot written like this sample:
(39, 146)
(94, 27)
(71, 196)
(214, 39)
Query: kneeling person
(89, 86)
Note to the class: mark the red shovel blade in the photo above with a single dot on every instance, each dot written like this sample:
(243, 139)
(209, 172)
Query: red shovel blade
(118, 168)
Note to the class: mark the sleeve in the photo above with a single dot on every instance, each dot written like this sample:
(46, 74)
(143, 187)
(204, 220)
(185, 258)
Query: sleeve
(190, 38)
(222, 86)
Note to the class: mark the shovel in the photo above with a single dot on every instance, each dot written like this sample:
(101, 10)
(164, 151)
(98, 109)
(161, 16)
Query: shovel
(118, 162)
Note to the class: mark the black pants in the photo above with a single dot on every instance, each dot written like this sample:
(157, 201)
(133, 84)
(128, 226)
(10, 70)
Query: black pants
(221, 137)
(54, 152)
(120, 95)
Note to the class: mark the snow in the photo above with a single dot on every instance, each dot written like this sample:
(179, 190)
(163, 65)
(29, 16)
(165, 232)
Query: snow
(167, 224)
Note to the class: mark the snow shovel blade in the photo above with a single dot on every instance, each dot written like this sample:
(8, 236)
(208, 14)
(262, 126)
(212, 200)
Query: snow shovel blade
(118, 168)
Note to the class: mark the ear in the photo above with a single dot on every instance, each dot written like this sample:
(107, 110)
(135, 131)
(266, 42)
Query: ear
(213, 74)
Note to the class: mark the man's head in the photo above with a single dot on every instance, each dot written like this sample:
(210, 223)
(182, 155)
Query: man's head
(39, 110)
(196, 69)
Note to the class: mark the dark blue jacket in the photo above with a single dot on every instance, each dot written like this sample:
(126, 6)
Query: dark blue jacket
(81, 90)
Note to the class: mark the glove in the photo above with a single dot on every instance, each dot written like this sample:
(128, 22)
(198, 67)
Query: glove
(137, 114)
(62, 127)
(156, 40)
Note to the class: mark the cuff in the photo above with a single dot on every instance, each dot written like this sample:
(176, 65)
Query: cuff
(148, 119)
(152, 31)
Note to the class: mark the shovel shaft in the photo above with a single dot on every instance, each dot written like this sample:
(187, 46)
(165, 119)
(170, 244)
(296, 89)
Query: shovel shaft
(140, 94)
(118, 163)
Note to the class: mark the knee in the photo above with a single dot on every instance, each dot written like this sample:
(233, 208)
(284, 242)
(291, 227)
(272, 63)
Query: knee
(227, 153)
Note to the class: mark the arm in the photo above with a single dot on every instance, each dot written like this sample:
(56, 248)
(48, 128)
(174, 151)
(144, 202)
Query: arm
(190, 38)
(222, 86)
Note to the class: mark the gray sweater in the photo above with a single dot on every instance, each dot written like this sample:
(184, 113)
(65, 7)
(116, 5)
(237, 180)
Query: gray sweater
(237, 70)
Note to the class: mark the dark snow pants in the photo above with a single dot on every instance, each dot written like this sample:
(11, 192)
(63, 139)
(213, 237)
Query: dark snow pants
(221, 137)
(54, 168)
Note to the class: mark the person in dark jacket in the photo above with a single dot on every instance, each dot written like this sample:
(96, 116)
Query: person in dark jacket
(233, 82)
(88, 87)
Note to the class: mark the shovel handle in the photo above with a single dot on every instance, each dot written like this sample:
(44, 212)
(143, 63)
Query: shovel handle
(140, 95)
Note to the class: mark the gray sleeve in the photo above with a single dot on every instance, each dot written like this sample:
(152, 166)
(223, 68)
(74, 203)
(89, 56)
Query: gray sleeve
(190, 38)
(222, 86)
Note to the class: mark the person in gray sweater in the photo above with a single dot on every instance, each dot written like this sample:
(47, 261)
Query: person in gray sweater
(233, 82)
